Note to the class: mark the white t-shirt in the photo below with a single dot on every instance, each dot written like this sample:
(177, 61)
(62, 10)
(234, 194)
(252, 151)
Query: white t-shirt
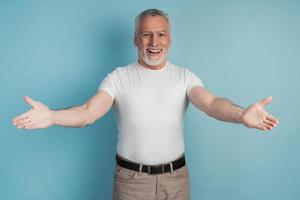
(150, 106)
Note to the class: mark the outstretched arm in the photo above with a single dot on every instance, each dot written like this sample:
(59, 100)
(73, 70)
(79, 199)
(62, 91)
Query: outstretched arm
(223, 109)
(40, 116)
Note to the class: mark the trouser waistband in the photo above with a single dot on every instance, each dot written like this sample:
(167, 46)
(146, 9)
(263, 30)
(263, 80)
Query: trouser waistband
(152, 169)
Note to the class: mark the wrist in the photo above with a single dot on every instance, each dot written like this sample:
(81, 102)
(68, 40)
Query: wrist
(240, 115)
(53, 117)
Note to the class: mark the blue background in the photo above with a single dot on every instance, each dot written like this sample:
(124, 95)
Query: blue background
(57, 52)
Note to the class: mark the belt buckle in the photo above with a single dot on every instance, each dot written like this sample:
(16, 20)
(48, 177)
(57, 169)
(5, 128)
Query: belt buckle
(161, 166)
(149, 169)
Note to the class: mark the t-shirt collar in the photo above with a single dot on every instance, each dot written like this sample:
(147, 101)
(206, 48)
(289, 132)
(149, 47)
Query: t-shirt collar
(152, 70)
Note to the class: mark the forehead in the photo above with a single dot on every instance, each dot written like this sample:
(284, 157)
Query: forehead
(153, 23)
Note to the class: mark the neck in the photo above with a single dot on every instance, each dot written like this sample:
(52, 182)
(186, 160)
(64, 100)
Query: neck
(156, 67)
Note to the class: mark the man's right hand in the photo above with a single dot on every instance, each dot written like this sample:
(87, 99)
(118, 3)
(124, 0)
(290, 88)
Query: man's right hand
(40, 116)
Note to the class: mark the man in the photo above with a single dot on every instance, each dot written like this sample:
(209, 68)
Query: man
(150, 98)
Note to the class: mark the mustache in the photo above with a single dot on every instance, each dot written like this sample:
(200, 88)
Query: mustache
(154, 48)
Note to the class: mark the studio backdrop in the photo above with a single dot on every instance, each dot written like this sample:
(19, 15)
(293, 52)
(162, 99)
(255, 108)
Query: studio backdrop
(57, 52)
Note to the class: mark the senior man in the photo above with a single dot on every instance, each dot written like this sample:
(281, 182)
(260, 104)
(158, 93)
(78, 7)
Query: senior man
(150, 97)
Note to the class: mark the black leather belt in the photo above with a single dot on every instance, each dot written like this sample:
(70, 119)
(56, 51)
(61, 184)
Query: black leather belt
(151, 169)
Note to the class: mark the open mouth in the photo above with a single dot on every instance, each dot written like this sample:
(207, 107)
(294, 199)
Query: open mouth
(154, 52)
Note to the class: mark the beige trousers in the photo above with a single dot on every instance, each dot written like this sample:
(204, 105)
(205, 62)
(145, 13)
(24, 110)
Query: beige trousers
(132, 185)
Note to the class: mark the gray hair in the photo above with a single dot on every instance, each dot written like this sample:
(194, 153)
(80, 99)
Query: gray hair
(150, 12)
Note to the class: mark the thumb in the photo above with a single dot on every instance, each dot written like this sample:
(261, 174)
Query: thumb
(30, 101)
(266, 101)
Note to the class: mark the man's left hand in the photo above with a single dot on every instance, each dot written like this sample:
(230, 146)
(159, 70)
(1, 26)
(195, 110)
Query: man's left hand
(256, 117)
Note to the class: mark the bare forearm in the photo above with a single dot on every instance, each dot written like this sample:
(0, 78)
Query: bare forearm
(224, 110)
(72, 117)
(216, 107)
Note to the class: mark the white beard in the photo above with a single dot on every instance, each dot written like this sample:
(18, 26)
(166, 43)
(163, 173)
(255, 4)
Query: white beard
(151, 62)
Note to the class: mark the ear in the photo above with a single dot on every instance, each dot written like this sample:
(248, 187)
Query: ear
(135, 38)
(170, 36)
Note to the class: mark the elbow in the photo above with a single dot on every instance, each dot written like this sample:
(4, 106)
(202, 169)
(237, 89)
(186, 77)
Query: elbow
(88, 121)
(211, 114)
(89, 117)
(91, 120)
(209, 108)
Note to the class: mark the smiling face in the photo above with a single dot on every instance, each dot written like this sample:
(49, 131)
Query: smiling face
(152, 39)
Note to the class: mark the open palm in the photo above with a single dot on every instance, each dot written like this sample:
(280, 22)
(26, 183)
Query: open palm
(37, 117)
(256, 117)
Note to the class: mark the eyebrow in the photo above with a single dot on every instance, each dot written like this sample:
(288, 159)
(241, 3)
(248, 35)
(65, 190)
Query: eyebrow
(160, 31)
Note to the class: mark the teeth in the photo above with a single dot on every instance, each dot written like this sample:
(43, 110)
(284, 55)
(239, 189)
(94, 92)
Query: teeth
(154, 50)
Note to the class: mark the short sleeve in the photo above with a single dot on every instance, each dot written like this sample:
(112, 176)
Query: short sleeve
(108, 85)
(192, 80)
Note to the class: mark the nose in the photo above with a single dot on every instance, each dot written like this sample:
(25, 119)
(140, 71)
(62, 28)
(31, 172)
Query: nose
(154, 40)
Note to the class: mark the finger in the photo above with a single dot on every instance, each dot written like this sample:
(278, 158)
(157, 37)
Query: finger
(273, 119)
(261, 127)
(31, 126)
(24, 125)
(266, 101)
(266, 126)
(271, 123)
(22, 121)
(30, 101)
(20, 117)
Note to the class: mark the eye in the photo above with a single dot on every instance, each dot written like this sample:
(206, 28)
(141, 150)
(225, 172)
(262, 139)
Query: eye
(146, 34)
(162, 34)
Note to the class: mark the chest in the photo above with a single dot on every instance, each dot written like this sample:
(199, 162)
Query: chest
(159, 93)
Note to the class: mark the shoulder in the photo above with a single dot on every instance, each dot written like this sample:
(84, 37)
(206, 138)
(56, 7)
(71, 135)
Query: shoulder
(187, 75)
(121, 70)
(185, 71)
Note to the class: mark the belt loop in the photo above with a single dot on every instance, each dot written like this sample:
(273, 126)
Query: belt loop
(171, 166)
(140, 169)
